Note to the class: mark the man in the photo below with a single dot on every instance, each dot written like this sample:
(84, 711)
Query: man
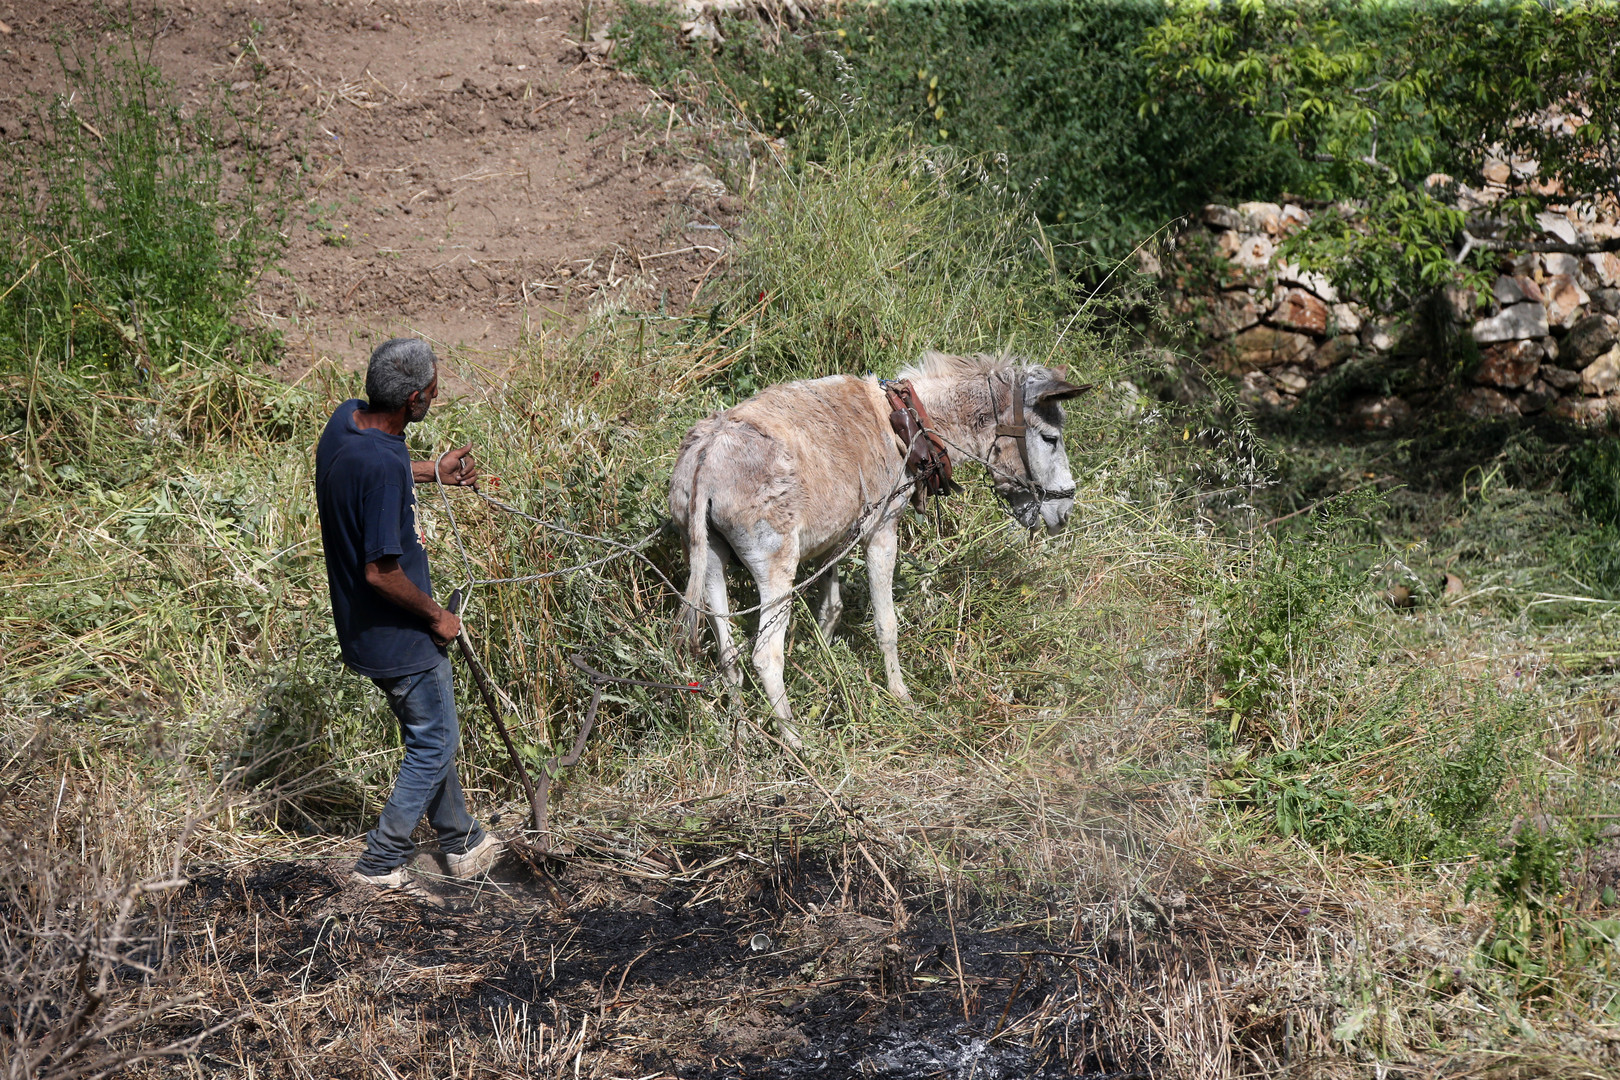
(389, 627)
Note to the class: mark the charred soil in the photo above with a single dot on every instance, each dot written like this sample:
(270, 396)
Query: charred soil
(790, 959)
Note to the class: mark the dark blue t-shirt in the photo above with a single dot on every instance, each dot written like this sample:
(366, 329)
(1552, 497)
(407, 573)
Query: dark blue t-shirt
(367, 503)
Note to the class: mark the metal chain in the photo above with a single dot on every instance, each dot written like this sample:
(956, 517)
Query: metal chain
(634, 549)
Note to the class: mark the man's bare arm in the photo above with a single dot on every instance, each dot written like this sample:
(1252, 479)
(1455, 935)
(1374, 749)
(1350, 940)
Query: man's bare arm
(387, 578)
(454, 468)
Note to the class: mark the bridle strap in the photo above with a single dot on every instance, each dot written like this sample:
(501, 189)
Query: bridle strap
(1018, 431)
(926, 458)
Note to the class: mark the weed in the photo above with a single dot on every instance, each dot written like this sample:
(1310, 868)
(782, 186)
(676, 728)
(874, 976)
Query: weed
(121, 245)
(1278, 620)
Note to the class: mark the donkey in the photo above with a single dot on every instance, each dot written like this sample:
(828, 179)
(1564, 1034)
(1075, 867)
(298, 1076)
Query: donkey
(804, 470)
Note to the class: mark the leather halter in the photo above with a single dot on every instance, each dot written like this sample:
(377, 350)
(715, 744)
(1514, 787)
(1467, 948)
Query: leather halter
(1018, 432)
(926, 459)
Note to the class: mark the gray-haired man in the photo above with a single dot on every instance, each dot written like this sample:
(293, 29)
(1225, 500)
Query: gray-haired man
(389, 627)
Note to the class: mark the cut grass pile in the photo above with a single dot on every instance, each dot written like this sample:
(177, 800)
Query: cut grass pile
(1265, 819)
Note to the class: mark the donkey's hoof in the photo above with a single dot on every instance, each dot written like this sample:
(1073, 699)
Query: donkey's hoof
(789, 734)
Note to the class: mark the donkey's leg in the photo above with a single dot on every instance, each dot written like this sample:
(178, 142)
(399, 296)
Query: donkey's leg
(773, 568)
(770, 655)
(715, 599)
(881, 552)
(829, 605)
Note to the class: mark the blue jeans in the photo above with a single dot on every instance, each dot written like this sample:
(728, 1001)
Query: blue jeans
(425, 703)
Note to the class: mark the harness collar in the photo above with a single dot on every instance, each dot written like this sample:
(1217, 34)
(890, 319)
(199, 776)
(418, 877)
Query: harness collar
(926, 458)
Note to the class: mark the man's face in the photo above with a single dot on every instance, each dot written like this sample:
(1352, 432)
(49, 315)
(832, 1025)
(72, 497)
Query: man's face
(416, 407)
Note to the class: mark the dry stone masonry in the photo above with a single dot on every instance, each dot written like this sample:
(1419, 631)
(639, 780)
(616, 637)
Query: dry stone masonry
(1548, 335)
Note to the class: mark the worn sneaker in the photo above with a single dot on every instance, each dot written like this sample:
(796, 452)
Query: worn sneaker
(477, 859)
(388, 879)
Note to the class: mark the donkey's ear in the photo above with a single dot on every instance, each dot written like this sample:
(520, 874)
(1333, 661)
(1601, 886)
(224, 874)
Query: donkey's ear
(1058, 389)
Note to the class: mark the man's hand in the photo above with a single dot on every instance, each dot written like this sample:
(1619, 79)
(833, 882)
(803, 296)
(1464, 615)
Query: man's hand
(456, 467)
(386, 576)
(445, 627)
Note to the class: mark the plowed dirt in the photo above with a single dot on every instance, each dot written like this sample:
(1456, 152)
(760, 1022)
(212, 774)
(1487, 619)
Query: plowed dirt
(459, 170)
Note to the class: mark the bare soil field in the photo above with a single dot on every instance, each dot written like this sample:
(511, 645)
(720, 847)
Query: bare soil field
(461, 171)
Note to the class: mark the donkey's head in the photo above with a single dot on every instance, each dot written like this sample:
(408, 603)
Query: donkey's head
(1027, 458)
(1011, 412)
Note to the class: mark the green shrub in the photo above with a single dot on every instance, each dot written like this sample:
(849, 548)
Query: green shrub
(1439, 801)
(1593, 480)
(1279, 619)
(1053, 85)
(306, 748)
(123, 248)
(882, 252)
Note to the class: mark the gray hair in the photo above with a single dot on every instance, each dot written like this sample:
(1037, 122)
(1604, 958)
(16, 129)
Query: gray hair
(399, 367)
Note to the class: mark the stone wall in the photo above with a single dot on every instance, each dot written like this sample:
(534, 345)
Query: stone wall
(1548, 339)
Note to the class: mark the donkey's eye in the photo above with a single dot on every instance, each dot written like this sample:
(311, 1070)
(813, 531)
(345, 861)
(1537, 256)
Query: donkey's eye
(1051, 440)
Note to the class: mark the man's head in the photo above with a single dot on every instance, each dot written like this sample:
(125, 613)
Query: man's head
(402, 374)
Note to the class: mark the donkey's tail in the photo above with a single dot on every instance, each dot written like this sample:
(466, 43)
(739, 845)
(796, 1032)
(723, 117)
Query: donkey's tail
(689, 624)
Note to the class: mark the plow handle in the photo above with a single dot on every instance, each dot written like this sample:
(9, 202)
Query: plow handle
(481, 679)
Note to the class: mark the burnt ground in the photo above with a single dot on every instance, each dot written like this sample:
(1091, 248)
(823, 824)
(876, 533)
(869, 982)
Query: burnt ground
(644, 962)
(460, 170)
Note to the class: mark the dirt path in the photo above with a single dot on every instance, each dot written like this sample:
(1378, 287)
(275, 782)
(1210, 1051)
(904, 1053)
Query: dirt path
(460, 170)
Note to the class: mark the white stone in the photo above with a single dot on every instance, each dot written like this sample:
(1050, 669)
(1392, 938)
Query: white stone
(1511, 290)
(1604, 266)
(1222, 217)
(1558, 263)
(1291, 380)
(1261, 216)
(1290, 274)
(1344, 319)
(1516, 321)
(1254, 252)
(1564, 299)
(1377, 336)
(1557, 225)
(1603, 374)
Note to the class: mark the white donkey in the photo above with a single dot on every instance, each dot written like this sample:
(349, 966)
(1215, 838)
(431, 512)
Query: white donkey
(804, 470)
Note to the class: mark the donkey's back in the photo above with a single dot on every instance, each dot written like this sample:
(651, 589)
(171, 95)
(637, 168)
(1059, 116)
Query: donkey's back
(792, 466)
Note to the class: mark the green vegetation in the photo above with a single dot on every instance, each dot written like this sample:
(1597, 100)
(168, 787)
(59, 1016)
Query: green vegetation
(125, 256)
(1375, 99)
(1117, 118)
(1049, 89)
